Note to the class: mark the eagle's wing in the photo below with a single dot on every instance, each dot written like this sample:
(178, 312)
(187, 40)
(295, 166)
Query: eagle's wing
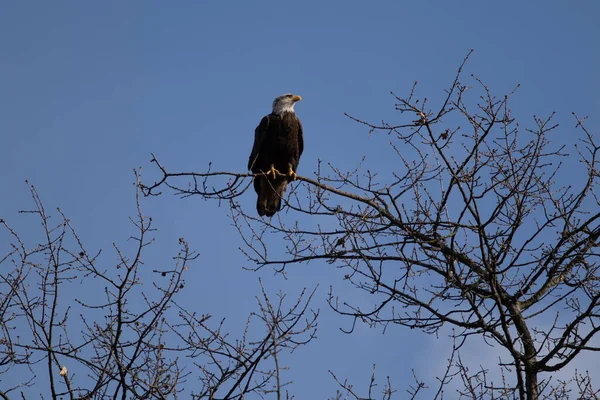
(300, 140)
(259, 136)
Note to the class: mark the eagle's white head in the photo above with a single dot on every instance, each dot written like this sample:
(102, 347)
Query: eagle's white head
(285, 103)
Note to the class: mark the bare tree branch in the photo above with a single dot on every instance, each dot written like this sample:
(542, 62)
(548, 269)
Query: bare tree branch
(470, 229)
(76, 327)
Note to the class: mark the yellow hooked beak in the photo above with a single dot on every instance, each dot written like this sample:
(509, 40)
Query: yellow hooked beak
(296, 98)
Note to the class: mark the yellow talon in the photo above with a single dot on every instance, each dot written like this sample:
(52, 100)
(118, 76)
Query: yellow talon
(272, 171)
(291, 173)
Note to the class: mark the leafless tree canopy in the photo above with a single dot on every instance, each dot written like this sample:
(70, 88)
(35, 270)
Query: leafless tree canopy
(472, 227)
(469, 230)
(76, 327)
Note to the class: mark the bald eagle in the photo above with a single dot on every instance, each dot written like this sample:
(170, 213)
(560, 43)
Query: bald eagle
(278, 144)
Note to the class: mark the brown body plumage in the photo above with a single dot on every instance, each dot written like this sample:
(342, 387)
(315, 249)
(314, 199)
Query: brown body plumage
(278, 144)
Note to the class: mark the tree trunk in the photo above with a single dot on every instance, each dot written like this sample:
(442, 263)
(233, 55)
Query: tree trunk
(531, 381)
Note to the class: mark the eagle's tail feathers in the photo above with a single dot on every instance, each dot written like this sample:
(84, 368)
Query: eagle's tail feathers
(271, 193)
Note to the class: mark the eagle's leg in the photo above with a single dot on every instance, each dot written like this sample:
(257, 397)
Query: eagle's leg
(272, 171)
(291, 173)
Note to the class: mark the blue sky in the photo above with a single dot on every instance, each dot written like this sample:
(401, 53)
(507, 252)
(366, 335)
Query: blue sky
(89, 90)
